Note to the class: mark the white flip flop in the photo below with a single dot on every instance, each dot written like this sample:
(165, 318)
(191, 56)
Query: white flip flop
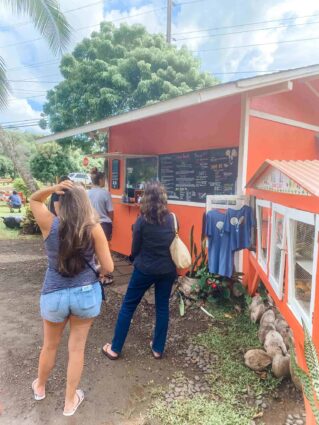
(36, 396)
(80, 395)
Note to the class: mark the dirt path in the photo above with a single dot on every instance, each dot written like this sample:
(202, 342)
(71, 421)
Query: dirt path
(116, 392)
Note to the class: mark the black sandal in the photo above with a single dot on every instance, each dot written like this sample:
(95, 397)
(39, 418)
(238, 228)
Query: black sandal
(108, 355)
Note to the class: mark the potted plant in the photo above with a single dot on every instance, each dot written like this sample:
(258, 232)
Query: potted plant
(214, 288)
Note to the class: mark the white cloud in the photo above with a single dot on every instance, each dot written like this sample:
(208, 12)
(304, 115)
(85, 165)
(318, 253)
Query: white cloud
(14, 31)
(19, 109)
(148, 15)
(187, 19)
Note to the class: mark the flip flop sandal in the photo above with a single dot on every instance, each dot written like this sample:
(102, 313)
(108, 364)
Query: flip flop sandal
(156, 355)
(108, 355)
(108, 281)
(80, 395)
(36, 396)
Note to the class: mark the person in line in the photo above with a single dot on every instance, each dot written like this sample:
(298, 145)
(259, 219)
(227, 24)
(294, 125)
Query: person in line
(70, 291)
(101, 201)
(54, 204)
(15, 201)
(153, 233)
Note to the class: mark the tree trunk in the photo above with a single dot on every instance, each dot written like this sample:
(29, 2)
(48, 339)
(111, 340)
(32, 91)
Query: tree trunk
(18, 159)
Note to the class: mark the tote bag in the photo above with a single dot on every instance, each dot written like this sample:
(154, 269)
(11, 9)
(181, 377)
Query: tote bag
(179, 252)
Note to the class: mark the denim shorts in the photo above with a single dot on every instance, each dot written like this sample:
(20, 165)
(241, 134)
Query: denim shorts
(83, 301)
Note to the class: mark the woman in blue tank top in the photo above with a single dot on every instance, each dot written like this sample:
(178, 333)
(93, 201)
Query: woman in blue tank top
(70, 291)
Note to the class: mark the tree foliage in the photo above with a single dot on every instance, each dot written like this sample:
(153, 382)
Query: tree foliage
(18, 147)
(117, 70)
(50, 162)
(6, 167)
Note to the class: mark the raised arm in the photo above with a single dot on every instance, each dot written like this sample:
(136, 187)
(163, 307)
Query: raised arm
(102, 250)
(42, 215)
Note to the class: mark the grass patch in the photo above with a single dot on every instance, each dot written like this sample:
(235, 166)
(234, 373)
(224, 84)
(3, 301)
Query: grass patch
(199, 411)
(5, 232)
(234, 335)
(234, 387)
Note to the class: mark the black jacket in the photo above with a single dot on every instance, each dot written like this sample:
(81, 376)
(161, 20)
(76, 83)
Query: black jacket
(150, 246)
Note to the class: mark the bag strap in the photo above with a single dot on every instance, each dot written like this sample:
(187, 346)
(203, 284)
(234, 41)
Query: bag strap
(97, 274)
(175, 223)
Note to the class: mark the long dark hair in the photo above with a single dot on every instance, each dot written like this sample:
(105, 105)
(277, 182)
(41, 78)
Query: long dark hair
(77, 220)
(154, 203)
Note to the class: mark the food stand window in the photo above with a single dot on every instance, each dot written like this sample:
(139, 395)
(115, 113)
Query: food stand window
(139, 171)
(277, 248)
(302, 232)
(263, 227)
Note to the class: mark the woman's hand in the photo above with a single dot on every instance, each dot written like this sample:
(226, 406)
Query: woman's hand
(60, 188)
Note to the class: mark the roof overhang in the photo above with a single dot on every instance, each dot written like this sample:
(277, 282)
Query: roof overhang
(118, 155)
(255, 86)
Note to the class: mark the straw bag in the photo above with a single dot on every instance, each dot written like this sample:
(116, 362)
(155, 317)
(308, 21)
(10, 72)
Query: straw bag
(179, 252)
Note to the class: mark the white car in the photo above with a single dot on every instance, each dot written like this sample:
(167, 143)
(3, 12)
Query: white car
(80, 178)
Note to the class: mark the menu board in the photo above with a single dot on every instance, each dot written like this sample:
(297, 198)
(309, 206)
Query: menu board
(115, 174)
(190, 176)
(276, 181)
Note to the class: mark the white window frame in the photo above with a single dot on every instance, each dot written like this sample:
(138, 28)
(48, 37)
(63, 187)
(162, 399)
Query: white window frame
(313, 219)
(277, 285)
(260, 203)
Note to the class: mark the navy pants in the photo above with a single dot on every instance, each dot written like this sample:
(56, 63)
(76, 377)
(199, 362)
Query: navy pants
(137, 287)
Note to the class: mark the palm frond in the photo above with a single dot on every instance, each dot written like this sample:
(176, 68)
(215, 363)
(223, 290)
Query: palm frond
(4, 84)
(47, 19)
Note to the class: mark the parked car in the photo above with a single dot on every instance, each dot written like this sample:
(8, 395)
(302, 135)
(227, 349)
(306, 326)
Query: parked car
(80, 178)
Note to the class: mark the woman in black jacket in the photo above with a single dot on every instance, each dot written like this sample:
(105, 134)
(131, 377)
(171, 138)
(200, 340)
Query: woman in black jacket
(153, 233)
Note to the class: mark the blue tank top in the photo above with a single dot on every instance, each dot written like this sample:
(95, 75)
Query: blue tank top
(53, 280)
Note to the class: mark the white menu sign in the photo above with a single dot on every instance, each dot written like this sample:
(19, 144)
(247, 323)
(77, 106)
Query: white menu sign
(276, 181)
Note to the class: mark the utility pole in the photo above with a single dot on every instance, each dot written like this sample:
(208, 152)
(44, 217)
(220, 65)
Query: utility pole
(169, 21)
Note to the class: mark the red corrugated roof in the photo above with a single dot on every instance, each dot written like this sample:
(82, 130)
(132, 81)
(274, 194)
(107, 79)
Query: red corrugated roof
(304, 173)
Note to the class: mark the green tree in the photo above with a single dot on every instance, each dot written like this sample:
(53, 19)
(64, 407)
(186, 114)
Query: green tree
(50, 162)
(6, 167)
(117, 70)
(52, 25)
(18, 147)
(48, 20)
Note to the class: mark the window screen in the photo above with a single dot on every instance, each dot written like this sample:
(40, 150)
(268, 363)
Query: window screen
(303, 246)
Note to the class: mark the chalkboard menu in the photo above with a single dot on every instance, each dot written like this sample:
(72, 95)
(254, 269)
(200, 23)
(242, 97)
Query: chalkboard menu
(115, 174)
(190, 176)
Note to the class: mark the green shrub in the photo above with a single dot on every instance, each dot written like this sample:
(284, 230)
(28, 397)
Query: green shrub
(310, 379)
(20, 186)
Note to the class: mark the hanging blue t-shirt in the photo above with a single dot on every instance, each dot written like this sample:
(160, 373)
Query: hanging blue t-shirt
(239, 223)
(220, 255)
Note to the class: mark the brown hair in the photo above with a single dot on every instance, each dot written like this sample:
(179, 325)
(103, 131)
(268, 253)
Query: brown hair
(154, 203)
(77, 220)
(97, 177)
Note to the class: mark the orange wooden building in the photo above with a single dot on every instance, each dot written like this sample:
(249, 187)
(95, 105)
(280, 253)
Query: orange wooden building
(237, 125)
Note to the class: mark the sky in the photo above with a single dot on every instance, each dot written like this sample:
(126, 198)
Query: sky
(233, 39)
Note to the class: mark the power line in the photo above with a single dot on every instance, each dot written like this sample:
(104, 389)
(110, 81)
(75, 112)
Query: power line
(11, 127)
(40, 64)
(243, 25)
(86, 27)
(243, 31)
(30, 120)
(95, 25)
(255, 45)
(33, 81)
(33, 65)
(64, 12)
